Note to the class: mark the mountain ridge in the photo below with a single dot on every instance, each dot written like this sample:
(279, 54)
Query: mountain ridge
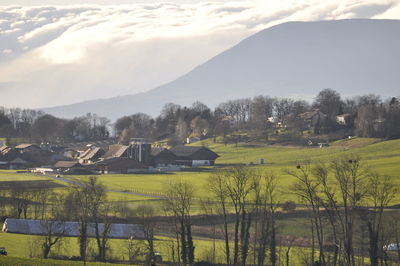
(293, 59)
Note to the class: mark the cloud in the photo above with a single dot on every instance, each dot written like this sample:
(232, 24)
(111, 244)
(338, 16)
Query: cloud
(52, 55)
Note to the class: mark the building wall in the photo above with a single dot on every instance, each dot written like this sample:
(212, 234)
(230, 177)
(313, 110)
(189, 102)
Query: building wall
(202, 162)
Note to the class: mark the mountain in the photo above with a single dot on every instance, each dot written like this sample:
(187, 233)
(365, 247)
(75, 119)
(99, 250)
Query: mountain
(294, 59)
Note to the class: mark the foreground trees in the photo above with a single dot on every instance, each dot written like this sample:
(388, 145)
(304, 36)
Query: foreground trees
(88, 204)
(179, 203)
(249, 198)
(345, 196)
(345, 203)
(53, 226)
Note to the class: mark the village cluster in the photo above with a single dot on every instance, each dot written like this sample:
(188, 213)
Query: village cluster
(103, 158)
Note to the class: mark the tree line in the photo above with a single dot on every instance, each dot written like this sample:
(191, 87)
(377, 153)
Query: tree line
(36, 126)
(366, 116)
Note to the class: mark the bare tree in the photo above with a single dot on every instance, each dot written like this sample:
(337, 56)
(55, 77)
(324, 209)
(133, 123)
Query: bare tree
(306, 188)
(88, 203)
(381, 191)
(54, 227)
(238, 183)
(217, 185)
(179, 202)
(145, 214)
(350, 176)
(265, 224)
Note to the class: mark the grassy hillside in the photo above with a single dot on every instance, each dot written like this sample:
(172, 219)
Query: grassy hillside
(381, 156)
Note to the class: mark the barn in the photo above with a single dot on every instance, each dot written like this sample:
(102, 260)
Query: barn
(194, 156)
(117, 165)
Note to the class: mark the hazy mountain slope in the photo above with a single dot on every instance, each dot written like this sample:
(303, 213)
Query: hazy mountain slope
(295, 59)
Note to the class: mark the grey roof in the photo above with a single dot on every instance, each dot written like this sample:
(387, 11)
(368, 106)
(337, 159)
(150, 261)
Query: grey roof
(118, 163)
(194, 153)
(83, 144)
(39, 227)
(18, 161)
(67, 164)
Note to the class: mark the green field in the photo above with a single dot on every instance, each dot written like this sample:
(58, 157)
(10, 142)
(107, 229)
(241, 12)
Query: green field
(135, 189)
(381, 156)
(19, 248)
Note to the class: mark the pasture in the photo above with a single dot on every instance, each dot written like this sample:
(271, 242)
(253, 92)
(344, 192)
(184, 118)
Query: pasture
(20, 247)
(380, 156)
(137, 189)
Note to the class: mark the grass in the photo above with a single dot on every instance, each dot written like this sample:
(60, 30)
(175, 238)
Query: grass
(381, 156)
(15, 261)
(18, 247)
(11, 175)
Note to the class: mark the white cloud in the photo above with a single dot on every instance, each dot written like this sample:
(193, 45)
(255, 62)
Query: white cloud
(7, 51)
(53, 55)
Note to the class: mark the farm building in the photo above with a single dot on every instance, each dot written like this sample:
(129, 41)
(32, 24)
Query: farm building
(11, 159)
(118, 165)
(137, 150)
(116, 150)
(140, 150)
(194, 156)
(28, 148)
(42, 227)
(7, 153)
(163, 157)
(66, 165)
(91, 155)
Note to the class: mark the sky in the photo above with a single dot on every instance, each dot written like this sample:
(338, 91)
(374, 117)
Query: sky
(58, 52)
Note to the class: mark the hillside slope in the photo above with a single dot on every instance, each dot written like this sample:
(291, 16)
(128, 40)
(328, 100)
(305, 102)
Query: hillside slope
(295, 59)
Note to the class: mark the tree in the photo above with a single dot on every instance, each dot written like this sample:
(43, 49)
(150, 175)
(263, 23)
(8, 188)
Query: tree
(235, 186)
(328, 101)
(265, 224)
(217, 185)
(349, 175)
(282, 108)
(261, 109)
(200, 109)
(306, 189)
(182, 130)
(54, 227)
(88, 203)
(199, 126)
(392, 116)
(381, 191)
(367, 115)
(138, 125)
(145, 214)
(48, 127)
(179, 201)
(6, 126)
